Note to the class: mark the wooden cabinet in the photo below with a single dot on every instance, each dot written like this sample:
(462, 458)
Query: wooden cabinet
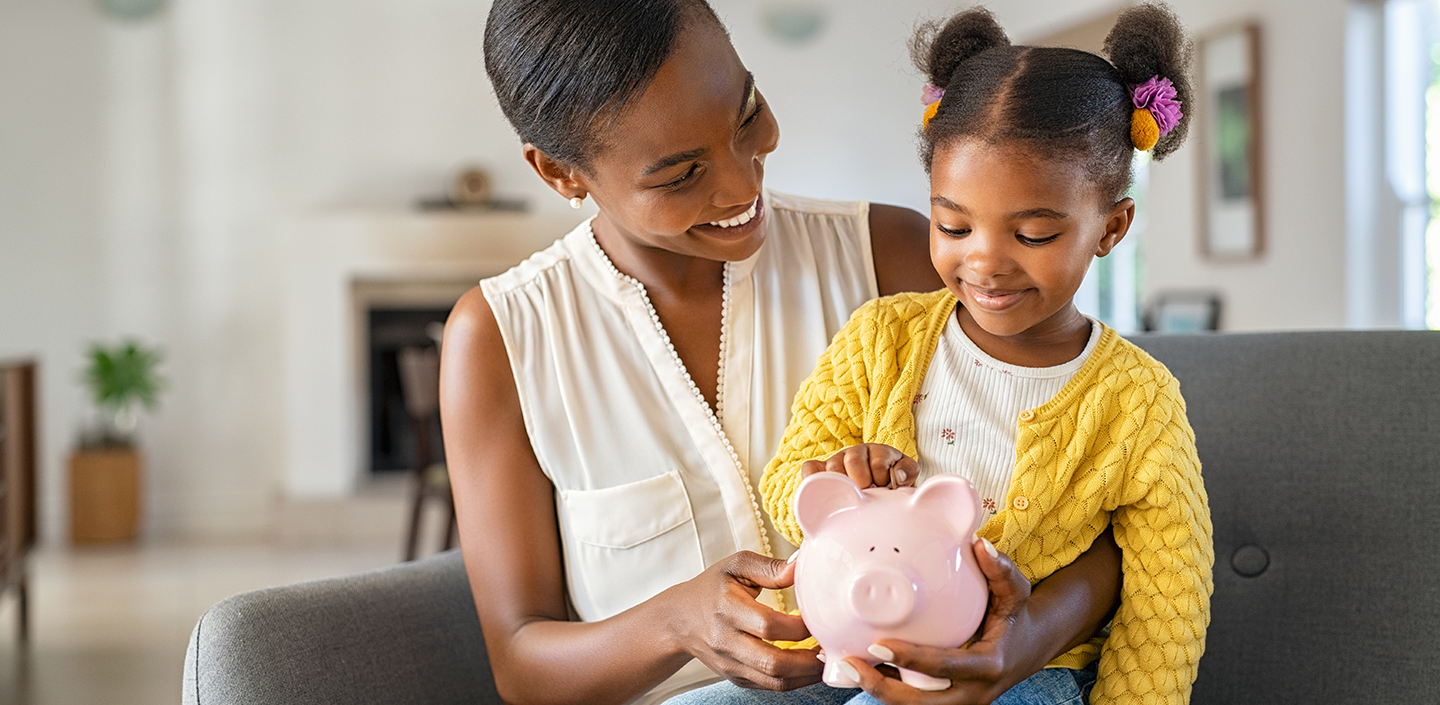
(18, 454)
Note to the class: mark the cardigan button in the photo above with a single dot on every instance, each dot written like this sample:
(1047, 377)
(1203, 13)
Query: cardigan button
(1021, 503)
(1027, 415)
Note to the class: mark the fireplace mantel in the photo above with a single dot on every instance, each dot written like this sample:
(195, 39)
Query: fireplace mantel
(415, 255)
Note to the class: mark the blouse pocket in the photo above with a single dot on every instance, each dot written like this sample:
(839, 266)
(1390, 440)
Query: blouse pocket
(628, 543)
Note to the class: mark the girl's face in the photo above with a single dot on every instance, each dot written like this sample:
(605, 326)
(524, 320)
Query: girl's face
(1013, 234)
(688, 154)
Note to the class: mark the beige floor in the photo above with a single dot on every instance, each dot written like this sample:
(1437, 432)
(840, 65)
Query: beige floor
(109, 625)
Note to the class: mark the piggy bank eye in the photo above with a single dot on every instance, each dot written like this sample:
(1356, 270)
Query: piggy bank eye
(872, 549)
(897, 550)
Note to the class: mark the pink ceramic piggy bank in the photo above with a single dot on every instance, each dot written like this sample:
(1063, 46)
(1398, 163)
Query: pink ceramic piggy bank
(888, 564)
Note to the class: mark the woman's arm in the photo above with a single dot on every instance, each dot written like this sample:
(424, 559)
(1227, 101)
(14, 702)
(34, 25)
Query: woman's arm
(511, 543)
(900, 241)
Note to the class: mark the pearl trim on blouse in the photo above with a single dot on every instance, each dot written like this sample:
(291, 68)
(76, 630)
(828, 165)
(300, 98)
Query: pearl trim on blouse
(694, 388)
(724, 347)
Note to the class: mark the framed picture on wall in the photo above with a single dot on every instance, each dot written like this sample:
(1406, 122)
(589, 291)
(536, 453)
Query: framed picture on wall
(1232, 204)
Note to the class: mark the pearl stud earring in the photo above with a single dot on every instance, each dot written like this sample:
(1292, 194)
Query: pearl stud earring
(577, 201)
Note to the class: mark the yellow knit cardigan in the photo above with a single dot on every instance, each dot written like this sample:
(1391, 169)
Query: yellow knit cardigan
(1112, 448)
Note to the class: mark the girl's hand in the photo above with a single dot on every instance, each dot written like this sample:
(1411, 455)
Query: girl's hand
(1005, 654)
(716, 618)
(868, 465)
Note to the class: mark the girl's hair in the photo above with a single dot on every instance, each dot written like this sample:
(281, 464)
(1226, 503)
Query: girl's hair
(563, 69)
(1062, 103)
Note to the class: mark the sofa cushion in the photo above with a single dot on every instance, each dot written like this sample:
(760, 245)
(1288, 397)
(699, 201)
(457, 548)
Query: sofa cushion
(1321, 456)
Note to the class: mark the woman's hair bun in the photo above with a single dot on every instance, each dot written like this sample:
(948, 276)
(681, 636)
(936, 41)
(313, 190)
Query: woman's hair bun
(1149, 41)
(938, 49)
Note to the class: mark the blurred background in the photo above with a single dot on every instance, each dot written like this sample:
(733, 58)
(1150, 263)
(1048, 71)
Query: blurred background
(282, 197)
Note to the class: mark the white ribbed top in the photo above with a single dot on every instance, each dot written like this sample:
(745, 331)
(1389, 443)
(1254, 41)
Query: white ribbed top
(967, 409)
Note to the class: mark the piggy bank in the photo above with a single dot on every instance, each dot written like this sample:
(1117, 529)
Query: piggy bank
(888, 564)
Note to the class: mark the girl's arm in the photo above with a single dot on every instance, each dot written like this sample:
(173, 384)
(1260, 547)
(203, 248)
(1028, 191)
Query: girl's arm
(511, 544)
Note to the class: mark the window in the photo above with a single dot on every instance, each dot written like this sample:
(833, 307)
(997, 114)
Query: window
(1393, 164)
(1111, 291)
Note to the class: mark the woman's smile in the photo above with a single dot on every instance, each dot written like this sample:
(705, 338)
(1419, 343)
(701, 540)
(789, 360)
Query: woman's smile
(737, 226)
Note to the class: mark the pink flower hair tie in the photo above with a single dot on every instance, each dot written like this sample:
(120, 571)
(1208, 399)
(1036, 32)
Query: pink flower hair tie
(1157, 112)
(930, 97)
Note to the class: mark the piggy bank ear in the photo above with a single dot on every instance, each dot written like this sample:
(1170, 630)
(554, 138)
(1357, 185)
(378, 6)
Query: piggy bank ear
(821, 496)
(952, 497)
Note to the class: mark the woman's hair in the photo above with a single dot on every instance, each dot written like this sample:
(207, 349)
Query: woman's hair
(1062, 103)
(564, 69)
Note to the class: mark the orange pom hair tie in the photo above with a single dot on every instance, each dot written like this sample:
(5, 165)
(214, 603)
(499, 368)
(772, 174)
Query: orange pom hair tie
(1144, 130)
(931, 96)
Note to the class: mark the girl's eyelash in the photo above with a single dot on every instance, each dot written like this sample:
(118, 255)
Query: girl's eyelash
(1032, 241)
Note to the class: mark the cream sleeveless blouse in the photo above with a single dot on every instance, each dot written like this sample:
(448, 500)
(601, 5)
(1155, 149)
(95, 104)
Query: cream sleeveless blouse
(651, 486)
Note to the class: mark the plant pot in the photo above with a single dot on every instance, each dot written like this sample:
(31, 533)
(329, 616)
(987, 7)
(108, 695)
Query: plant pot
(104, 495)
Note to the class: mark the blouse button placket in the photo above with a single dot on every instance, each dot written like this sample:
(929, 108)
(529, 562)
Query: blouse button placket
(694, 388)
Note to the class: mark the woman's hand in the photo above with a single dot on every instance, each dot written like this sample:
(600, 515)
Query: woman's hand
(868, 465)
(716, 618)
(1008, 651)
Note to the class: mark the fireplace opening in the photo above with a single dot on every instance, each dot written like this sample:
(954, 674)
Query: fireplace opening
(393, 440)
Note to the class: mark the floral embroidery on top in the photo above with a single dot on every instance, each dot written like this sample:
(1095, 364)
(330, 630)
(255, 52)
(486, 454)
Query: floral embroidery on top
(988, 504)
(918, 398)
(949, 436)
(978, 363)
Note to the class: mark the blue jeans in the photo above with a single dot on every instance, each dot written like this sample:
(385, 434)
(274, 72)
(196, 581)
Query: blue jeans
(1051, 686)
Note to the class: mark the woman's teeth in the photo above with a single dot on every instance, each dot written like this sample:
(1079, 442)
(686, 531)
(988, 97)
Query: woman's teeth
(741, 219)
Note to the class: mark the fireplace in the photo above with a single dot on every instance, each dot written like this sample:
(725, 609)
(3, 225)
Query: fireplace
(405, 270)
(392, 445)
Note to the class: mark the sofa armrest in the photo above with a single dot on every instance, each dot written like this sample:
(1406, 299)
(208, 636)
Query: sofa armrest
(405, 634)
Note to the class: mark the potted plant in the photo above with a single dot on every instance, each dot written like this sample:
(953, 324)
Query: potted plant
(105, 469)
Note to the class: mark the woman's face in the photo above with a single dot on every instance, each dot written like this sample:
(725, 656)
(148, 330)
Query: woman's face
(688, 155)
(1013, 234)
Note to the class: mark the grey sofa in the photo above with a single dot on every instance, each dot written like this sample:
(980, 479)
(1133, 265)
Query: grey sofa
(1321, 457)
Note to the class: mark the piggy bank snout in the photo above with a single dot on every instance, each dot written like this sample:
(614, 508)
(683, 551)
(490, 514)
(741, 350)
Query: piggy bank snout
(882, 595)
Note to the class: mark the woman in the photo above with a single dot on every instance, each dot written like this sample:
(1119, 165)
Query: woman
(606, 485)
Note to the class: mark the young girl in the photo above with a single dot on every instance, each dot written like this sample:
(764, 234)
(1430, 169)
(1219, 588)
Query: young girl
(1064, 428)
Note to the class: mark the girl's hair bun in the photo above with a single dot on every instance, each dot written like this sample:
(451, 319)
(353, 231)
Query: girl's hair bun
(938, 49)
(1149, 41)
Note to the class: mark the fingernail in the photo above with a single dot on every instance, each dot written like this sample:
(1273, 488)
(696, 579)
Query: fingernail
(819, 656)
(900, 477)
(850, 672)
(990, 549)
(881, 653)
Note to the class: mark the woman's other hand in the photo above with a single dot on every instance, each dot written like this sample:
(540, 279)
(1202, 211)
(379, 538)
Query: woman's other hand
(868, 465)
(717, 619)
(1008, 651)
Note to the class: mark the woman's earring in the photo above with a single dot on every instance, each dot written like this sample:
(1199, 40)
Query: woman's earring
(577, 201)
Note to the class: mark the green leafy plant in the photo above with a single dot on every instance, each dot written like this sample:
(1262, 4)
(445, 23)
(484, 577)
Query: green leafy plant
(121, 378)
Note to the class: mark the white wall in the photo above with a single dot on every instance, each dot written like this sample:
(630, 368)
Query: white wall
(51, 264)
(149, 175)
(1299, 282)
